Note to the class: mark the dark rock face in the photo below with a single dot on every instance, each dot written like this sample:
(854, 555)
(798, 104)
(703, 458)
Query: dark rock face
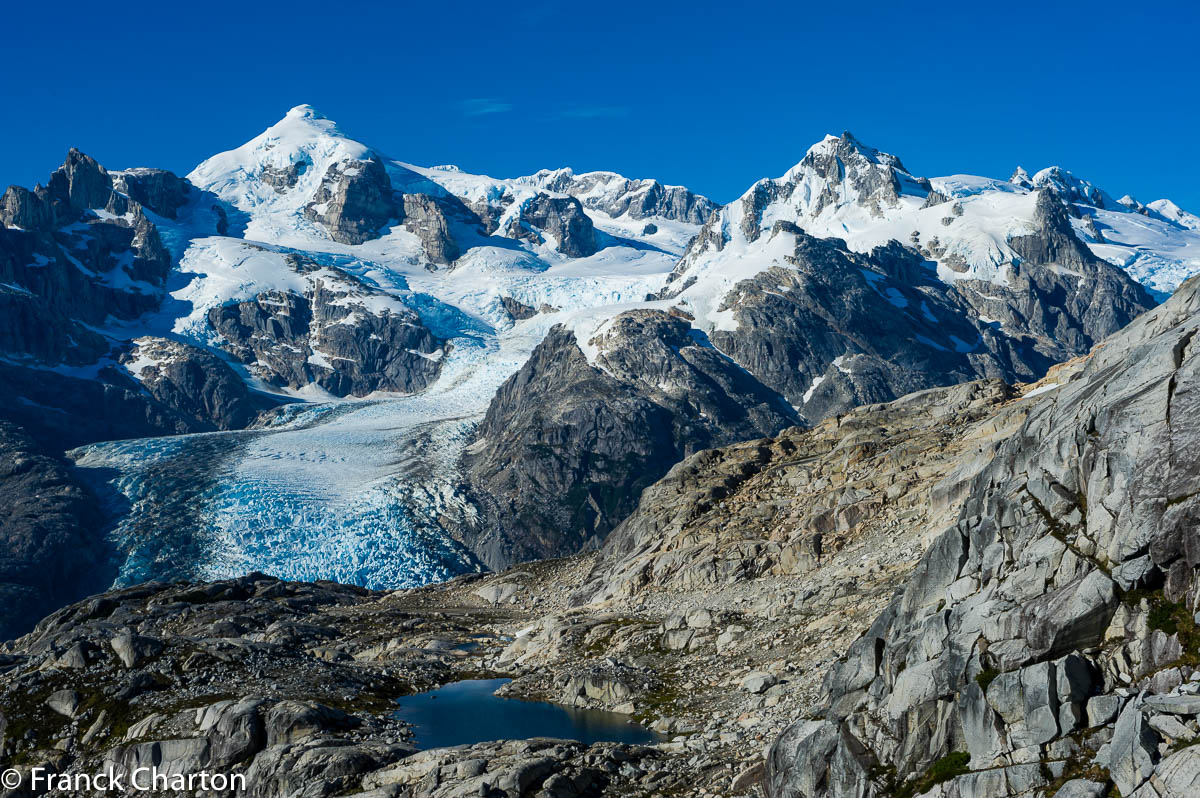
(566, 447)
(85, 252)
(840, 329)
(79, 219)
(49, 527)
(63, 412)
(293, 340)
(561, 218)
(1017, 624)
(517, 309)
(157, 189)
(196, 384)
(29, 329)
(81, 182)
(355, 201)
(74, 254)
(1074, 312)
(425, 218)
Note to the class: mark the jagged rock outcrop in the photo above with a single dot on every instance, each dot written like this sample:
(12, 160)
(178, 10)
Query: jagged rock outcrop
(861, 316)
(49, 534)
(81, 249)
(1066, 313)
(74, 255)
(194, 383)
(847, 167)
(516, 309)
(619, 196)
(832, 329)
(567, 445)
(157, 189)
(425, 218)
(1065, 589)
(349, 344)
(562, 219)
(354, 201)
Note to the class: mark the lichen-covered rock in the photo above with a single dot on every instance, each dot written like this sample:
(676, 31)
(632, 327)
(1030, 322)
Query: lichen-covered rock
(771, 506)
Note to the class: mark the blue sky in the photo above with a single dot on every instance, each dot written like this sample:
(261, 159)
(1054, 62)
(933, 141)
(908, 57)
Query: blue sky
(710, 95)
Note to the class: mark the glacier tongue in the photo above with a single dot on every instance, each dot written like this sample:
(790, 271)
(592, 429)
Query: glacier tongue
(346, 490)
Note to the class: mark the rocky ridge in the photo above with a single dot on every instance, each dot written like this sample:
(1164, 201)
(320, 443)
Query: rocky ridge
(77, 256)
(567, 445)
(617, 196)
(939, 309)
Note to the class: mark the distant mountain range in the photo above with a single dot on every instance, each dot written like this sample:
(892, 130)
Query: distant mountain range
(412, 372)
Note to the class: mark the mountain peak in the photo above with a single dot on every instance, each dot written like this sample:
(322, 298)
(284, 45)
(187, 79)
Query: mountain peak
(1072, 188)
(304, 111)
(834, 159)
(303, 142)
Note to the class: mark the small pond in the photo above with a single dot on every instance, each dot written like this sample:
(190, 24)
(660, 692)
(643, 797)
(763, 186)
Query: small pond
(467, 712)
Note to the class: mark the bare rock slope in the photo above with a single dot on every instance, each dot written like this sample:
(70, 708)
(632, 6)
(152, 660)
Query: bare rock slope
(1046, 635)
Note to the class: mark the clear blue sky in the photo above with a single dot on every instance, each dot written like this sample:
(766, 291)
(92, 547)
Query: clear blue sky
(710, 95)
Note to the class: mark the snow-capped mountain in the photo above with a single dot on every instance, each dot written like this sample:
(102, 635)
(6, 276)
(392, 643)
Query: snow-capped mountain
(964, 223)
(938, 280)
(340, 272)
(463, 368)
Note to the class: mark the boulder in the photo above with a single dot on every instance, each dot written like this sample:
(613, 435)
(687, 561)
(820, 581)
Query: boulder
(758, 682)
(1133, 752)
(134, 649)
(64, 702)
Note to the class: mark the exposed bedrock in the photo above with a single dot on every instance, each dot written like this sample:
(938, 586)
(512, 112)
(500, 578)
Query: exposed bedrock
(567, 445)
(1064, 590)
